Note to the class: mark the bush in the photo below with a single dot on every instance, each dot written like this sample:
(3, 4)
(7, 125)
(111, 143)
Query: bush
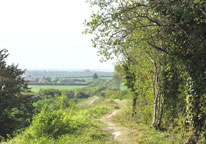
(98, 111)
(49, 93)
(82, 95)
(64, 100)
(55, 123)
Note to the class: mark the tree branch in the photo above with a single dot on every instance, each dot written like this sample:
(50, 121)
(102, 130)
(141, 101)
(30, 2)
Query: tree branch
(158, 48)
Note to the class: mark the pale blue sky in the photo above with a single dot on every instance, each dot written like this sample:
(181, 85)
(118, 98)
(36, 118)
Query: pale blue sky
(47, 34)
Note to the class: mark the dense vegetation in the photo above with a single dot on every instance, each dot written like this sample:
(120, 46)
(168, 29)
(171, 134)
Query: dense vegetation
(15, 102)
(161, 49)
(36, 88)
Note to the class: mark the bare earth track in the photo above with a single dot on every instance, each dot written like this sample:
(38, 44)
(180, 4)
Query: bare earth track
(122, 135)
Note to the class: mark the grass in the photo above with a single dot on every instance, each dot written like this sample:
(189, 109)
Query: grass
(90, 131)
(36, 88)
(79, 126)
(92, 134)
(144, 132)
(106, 78)
(123, 87)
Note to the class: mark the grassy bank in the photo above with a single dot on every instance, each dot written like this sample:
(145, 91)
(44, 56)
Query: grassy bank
(145, 133)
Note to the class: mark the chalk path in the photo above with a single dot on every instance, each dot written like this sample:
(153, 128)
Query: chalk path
(122, 135)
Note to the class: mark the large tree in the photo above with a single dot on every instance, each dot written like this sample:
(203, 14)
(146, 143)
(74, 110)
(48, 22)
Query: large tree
(173, 34)
(129, 30)
(183, 31)
(15, 102)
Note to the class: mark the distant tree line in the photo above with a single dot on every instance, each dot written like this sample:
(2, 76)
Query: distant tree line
(67, 74)
(56, 81)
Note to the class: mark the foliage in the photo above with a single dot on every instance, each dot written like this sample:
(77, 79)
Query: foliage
(185, 25)
(49, 93)
(37, 88)
(54, 99)
(143, 131)
(160, 45)
(98, 111)
(70, 125)
(55, 123)
(174, 90)
(117, 94)
(81, 94)
(95, 76)
(15, 101)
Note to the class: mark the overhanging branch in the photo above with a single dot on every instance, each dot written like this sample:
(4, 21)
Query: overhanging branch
(158, 48)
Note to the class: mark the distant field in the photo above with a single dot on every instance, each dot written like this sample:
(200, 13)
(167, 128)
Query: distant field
(36, 88)
(123, 87)
(106, 78)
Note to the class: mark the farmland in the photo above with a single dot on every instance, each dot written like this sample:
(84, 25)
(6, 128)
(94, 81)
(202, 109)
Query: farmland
(68, 84)
(66, 78)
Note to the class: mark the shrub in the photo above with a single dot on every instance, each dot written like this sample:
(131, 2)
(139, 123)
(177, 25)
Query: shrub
(82, 95)
(55, 123)
(98, 111)
(49, 93)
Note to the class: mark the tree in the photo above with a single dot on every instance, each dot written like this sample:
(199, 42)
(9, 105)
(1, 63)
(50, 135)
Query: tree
(15, 102)
(173, 34)
(183, 31)
(127, 30)
(95, 76)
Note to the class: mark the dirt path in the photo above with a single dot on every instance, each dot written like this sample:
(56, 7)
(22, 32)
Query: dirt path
(122, 135)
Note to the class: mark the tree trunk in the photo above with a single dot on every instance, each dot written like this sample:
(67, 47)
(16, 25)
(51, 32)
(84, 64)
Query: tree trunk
(134, 102)
(155, 105)
(158, 108)
(160, 113)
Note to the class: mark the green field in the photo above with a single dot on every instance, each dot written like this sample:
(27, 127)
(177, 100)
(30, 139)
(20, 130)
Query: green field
(36, 88)
(106, 78)
(123, 87)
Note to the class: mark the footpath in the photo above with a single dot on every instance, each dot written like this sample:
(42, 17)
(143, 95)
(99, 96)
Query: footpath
(121, 134)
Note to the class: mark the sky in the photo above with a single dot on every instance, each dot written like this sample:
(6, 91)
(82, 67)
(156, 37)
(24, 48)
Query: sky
(47, 34)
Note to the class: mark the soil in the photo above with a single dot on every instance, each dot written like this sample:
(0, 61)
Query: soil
(122, 135)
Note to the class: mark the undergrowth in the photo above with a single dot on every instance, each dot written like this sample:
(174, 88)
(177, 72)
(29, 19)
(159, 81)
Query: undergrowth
(69, 126)
(144, 132)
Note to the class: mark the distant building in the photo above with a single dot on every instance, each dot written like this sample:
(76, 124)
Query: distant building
(30, 80)
(67, 81)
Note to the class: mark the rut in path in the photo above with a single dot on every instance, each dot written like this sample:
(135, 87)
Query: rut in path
(122, 135)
